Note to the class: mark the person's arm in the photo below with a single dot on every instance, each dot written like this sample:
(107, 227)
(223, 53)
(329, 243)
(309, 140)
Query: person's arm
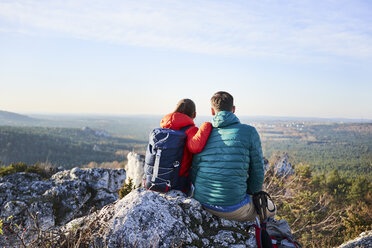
(197, 138)
(256, 166)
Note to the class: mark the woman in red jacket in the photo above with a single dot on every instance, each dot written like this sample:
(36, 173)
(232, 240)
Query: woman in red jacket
(183, 116)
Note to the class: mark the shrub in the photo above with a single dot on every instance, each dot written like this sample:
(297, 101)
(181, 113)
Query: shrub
(6, 170)
(323, 210)
(45, 171)
(126, 188)
(12, 168)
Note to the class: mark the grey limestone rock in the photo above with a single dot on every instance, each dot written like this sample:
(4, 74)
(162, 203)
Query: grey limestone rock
(148, 219)
(96, 179)
(66, 195)
(13, 208)
(282, 166)
(135, 168)
(363, 241)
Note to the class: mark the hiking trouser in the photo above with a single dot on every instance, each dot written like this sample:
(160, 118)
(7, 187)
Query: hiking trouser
(245, 213)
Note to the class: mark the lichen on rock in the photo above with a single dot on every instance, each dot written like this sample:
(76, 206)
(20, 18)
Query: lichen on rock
(66, 195)
(148, 219)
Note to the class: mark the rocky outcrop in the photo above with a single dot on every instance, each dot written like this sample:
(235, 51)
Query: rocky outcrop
(148, 219)
(98, 133)
(135, 168)
(282, 166)
(66, 195)
(66, 202)
(363, 241)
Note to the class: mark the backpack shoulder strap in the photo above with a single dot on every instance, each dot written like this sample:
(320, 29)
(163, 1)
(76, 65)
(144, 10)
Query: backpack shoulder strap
(185, 128)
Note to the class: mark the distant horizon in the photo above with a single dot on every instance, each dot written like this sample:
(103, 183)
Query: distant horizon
(31, 114)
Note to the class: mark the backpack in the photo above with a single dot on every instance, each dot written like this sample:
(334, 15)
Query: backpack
(274, 234)
(163, 160)
(271, 233)
(280, 232)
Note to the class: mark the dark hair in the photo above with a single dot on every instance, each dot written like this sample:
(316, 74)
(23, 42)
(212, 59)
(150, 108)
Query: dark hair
(222, 101)
(187, 107)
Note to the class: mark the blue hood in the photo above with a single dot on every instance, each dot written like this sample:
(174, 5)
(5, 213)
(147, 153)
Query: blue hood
(224, 119)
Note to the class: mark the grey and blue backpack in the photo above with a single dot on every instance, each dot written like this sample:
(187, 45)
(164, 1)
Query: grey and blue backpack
(163, 160)
(271, 233)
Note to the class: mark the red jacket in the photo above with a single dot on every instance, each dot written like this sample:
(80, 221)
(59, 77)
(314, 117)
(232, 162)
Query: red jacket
(196, 137)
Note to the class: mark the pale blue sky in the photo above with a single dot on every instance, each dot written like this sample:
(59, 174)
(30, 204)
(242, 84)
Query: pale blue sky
(277, 58)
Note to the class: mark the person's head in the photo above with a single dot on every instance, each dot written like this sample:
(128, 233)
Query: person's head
(187, 107)
(222, 101)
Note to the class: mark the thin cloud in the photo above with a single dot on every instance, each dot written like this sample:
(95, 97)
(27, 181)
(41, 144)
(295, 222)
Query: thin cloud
(263, 29)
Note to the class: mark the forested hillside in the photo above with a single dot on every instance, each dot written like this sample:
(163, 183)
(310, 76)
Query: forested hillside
(346, 147)
(65, 147)
(10, 118)
(325, 145)
(323, 210)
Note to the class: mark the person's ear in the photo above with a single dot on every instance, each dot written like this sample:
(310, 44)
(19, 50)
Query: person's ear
(194, 115)
(213, 112)
(233, 110)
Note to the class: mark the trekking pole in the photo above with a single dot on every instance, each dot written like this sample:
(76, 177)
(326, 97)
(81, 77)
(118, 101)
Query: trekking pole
(258, 222)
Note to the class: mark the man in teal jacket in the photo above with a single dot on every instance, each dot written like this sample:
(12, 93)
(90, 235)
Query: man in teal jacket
(230, 167)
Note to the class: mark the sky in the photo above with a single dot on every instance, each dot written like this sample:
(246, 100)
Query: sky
(277, 58)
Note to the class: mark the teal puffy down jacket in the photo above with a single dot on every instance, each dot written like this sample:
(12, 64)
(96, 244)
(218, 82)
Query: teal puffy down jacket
(231, 163)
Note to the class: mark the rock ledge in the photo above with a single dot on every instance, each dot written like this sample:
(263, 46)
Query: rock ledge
(148, 219)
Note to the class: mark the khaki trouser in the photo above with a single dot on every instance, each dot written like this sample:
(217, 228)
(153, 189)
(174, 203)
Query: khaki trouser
(245, 213)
